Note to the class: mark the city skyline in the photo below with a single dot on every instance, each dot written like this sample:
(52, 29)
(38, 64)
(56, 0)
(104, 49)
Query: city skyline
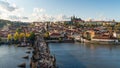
(58, 10)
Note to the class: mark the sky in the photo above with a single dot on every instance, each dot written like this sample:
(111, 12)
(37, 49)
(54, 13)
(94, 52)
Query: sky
(59, 10)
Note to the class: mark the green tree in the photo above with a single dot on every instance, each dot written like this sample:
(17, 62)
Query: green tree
(18, 30)
(0, 39)
(32, 38)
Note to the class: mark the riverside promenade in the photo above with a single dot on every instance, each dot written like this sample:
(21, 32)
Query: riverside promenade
(41, 57)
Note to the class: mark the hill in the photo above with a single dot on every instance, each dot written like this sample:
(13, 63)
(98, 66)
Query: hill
(15, 23)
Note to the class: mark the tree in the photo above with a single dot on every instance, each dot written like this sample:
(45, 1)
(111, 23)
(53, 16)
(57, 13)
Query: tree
(0, 39)
(16, 36)
(32, 38)
(27, 35)
(46, 35)
(22, 35)
(18, 30)
(9, 37)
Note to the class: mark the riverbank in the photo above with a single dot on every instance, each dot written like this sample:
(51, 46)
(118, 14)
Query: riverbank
(62, 41)
(98, 42)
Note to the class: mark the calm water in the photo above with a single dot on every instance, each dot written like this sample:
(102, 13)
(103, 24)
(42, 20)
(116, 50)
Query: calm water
(11, 56)
(70, 55)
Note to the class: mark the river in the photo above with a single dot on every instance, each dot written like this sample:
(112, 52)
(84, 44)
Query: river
(11, 56)
(68, 55)
(76, 55)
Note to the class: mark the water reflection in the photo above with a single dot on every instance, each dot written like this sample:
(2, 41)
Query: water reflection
(11, 56)
(77, 55)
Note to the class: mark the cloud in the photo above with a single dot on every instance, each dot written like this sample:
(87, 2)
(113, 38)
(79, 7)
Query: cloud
(38, 10)
(38, 15)
(47, 17)
(7, 6)
(62, 17)
(13, 17)
(12, 12)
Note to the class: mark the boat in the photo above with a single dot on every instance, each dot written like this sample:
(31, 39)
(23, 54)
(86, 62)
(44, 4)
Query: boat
(26, 57)
(28, 52)
(22, 44)
(23, 65)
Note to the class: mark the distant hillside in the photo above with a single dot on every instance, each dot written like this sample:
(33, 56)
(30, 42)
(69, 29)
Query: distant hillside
(15, 23)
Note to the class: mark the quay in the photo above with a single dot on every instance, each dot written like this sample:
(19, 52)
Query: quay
(41, 57)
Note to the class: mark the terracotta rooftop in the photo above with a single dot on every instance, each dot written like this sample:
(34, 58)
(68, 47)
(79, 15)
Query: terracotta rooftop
(55, 34)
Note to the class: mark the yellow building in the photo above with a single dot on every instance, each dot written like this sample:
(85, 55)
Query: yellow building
(89, 34)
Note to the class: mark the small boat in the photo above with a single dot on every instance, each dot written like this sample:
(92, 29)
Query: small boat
(21, 45)
(23, 65)
(26, 57)
(28, 52)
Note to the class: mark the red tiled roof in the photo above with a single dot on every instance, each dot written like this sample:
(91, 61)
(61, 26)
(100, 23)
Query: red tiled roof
(104, 37)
